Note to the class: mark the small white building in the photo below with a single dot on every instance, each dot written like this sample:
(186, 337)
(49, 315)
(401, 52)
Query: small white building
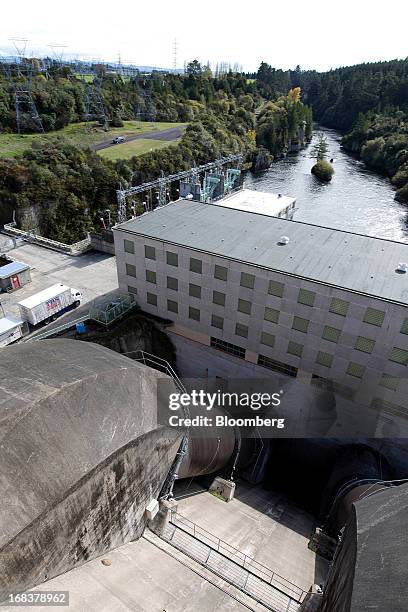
(11, 330)
(260, 202)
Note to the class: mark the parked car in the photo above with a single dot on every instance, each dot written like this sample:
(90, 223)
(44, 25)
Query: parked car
(118, 139)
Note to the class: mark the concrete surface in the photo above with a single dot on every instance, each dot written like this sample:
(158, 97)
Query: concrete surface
(92, 273)
(263, 524)
(81, 456)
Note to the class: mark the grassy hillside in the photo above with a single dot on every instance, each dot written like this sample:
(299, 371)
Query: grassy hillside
(134, 147)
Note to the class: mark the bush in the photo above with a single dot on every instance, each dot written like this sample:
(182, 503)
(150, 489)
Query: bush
(402, 194)
(323, 170)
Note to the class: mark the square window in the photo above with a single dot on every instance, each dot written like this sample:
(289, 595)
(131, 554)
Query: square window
(277, 366)
(366, 345)
(276, 288)
(324, 359)
(221, 273)
(151, 299)
(241, 330)
(151, 276)
(172, 283)
(332, 334)
(129, 246)
(171, 258)
(172, 306)
(244, 306)
(374, 317)
(306, 297)
(399, 355)
(217, 321)
(355, 369)
(150, 252)
(300, 324)
(247, 280)
(132, 289)
(219, 298)
(339, 307)
(389, 382)
(268, 339)
(196, 265)
(271, 314)
(404, 327)
(295, 349)
(131, 270)
(194, 313)
(194, 290)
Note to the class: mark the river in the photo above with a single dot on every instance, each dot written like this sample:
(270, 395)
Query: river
(356, 200)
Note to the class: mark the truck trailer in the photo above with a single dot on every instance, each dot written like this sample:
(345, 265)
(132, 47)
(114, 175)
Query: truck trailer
(11, 330)
(48, 304)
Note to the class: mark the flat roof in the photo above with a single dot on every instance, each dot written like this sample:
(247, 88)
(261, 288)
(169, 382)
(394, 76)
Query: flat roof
(262, 202)
(43, 296)
(8, 323)
(14, 267)
(334, 257)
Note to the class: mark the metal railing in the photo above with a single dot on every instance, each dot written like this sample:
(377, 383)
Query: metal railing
(257, 569)
(159, 364)
(71, 249)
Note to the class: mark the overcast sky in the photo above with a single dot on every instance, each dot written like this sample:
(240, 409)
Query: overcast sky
(317, 34)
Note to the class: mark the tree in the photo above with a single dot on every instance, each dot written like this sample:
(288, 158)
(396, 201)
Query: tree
(194, 68)
(320, 149)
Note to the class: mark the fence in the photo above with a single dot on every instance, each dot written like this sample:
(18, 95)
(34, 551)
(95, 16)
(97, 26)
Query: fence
(71, 249)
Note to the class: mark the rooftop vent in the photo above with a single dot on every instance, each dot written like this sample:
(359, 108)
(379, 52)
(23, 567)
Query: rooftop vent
(283, 240)
(402, 267)
(189, 196)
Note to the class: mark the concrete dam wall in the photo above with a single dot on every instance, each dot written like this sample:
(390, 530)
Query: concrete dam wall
(81, 456)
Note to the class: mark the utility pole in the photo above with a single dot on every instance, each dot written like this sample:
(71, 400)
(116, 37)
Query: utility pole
(175, 51)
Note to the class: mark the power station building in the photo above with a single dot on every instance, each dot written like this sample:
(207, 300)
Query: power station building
(276, 295)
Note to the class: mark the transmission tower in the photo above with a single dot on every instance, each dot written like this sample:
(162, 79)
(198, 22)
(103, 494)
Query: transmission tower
(27, 116)
(94, 105)
(175, 51)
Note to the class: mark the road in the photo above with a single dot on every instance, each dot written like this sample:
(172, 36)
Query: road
(92, 273)
(168, 134)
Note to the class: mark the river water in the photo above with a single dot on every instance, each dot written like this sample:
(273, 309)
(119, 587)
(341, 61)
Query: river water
(356, 200)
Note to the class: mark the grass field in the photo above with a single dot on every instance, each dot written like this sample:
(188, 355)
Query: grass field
(134, 147)
(12, 145)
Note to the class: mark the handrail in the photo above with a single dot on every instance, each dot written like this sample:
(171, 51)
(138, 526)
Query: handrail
(248, 563)
(56, 330)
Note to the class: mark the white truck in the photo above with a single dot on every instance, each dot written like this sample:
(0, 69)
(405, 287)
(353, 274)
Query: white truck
(48, 304)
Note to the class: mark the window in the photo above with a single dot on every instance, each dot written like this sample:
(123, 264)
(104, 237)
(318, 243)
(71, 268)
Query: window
(247, 280)
(194, 313)
(364, 344)
(217, 321)
(151, 276)
(172, 306)
(196, 265)
(271, 314)
(241, 330)
(399, 355)
(227, 347)
(151, 299)
(389, 382)
(374, 317)
(244, 306)
(295, 349)
(324, 359)
(268, 339)
(221, 273)
(339, 307)
(132, 289)
(219, 298)
(306, 297)
(172, 258)
(277, 366)
(404, 327)
(355, 369)
(300, 324)
(129, 246)
(332, 334)
(194, 290)
(389, 407)
(150, 252)
(131, 270)
(276, 288)
(172, 283)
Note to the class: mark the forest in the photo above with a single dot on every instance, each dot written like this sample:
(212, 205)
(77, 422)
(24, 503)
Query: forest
(60, 190)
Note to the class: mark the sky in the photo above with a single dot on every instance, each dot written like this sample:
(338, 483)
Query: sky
(320, 34)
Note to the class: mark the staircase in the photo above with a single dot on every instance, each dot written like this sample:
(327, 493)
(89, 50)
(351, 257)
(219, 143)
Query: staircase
(235, 567)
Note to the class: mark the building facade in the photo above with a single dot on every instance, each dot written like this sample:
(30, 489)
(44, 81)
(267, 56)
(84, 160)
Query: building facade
(327, 305)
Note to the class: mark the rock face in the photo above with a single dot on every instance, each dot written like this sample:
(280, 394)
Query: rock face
(323, 170)
(81, 456)
(261, 160)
